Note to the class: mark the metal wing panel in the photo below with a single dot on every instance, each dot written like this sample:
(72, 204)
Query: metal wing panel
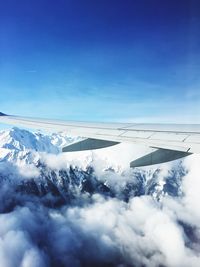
(175, 128)
(168, 136)
(137, 134)
(57, 125)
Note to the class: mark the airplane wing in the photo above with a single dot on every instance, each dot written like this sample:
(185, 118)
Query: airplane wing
(172, 141)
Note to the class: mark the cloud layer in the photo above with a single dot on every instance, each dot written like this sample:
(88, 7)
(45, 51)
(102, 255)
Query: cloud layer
(98, 229)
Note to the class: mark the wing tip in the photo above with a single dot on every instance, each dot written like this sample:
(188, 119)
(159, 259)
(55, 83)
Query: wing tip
(3, 114)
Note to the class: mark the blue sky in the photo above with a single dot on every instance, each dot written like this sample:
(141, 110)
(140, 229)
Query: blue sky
(101, 60)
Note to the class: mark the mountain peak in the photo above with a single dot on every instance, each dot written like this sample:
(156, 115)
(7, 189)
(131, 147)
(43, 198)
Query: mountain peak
(15, 141)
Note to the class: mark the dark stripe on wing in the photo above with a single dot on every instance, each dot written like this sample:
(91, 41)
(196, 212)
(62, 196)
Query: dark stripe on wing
(3, 114)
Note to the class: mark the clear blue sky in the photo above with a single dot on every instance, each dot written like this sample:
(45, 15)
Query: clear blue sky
(103, 60)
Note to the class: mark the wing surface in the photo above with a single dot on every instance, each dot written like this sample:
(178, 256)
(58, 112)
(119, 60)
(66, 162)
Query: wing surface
(177, 137)
(181, 137)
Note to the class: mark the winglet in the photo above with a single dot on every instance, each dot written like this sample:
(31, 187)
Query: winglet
(3, 114)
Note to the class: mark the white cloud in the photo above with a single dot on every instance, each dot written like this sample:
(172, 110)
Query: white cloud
(28, 171)
(101, 229)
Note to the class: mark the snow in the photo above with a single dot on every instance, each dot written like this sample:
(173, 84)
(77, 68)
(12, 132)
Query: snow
(17, 143)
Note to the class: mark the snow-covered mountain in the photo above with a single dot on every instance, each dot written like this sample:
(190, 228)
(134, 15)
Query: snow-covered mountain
(16, 142)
